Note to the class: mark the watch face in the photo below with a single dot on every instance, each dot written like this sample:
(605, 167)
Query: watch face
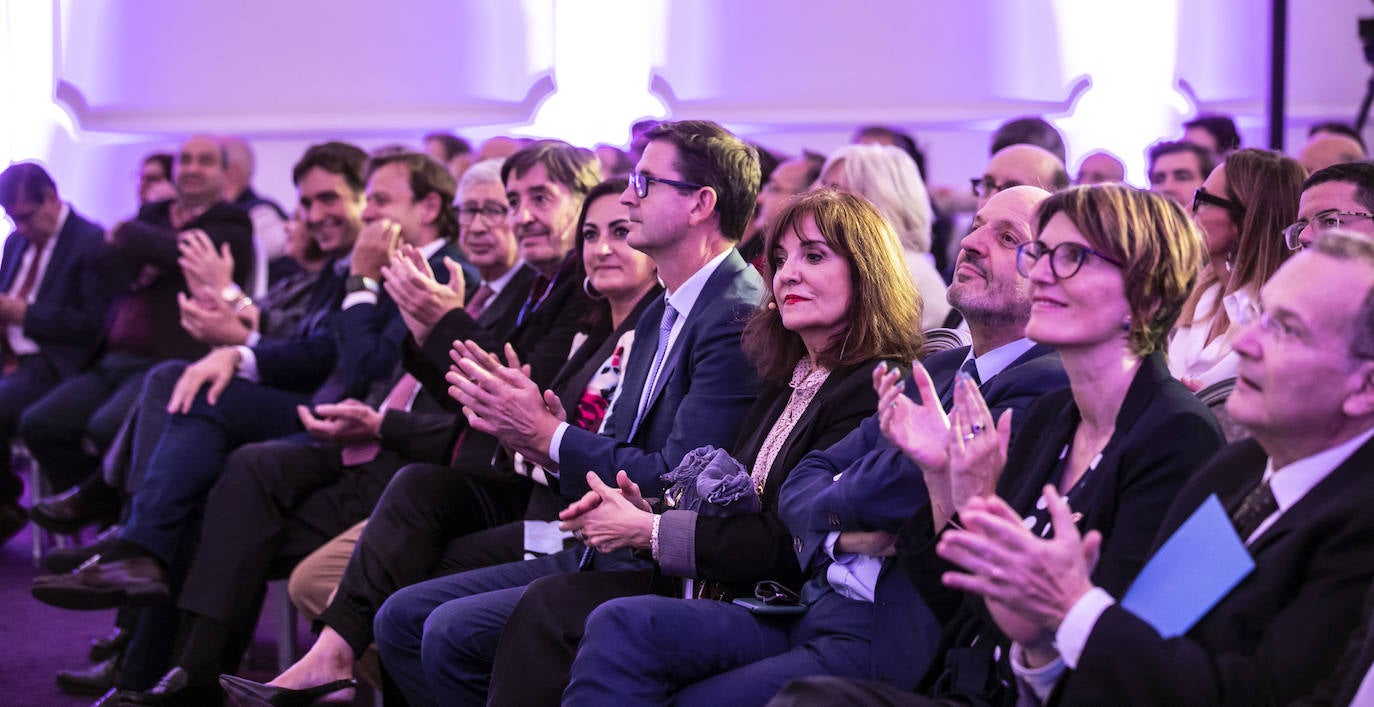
(230, 293)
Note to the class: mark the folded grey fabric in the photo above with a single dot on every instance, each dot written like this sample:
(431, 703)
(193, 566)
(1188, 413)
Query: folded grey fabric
(711, 482)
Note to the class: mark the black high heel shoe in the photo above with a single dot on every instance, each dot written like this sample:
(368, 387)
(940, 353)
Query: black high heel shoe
(247, 692)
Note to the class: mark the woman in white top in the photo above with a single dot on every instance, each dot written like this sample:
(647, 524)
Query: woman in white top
(1241, 209)
(887, 176)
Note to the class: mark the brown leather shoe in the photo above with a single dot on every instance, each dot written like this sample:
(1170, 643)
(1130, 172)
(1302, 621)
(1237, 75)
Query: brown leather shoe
(89, 502)
(136, 581)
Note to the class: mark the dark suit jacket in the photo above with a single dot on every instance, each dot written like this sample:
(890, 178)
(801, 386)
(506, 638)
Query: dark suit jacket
(68, 311)
(351, 349)
(1279, 632)
(151, 240)
(705, 389)
(1163, 435)
(1339, 688)
(878, 488)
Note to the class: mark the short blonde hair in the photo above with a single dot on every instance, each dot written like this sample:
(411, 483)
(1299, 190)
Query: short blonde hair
(888, 178)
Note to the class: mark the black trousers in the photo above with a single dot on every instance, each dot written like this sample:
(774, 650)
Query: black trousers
(421, 529)
(275, 503)
(535, 655)
(830, 691)
(29, 382)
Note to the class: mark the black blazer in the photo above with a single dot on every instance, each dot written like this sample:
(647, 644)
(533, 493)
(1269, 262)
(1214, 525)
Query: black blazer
(68, 311)
(151, 240)
(745, 548)
(1163, 435)
(1279, 632)
(1339, 687)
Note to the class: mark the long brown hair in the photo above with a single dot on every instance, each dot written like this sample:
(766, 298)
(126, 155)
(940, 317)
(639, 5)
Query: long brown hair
(884, 312)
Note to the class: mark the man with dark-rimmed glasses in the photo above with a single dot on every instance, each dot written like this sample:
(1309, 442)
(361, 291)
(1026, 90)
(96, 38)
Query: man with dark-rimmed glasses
(1340, 196)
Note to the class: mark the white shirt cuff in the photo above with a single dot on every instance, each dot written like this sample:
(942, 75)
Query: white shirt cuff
(830, 540)
(557, 441)
(353, 299)
(1078, 624)
(1041, 680)
(253, 338)
(248, 364)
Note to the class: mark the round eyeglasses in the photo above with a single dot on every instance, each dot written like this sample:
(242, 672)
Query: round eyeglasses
(1066, 259)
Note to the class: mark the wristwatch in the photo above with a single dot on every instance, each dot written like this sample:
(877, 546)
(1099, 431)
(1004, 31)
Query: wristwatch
(234, 296)
(359, 283)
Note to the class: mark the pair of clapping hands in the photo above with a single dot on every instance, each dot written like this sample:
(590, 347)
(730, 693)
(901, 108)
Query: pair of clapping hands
(1028, 583)
(501, 400)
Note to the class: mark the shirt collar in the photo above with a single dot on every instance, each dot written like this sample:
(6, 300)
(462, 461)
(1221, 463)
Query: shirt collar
(686, 296)
(500, 283)
(995, 361)
(1292, 482)
(429, 249)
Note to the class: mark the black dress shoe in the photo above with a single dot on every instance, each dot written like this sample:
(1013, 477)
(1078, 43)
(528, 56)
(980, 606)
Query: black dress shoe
(110, 644)
(12, 520)
(175, 690)
(245, 693)
(91, 680)
(65, 559)
(136, 581)
(87, 503)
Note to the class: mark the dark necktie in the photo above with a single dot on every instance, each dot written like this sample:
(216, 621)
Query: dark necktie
(478, 303)
(1257, 505)
(971, 368)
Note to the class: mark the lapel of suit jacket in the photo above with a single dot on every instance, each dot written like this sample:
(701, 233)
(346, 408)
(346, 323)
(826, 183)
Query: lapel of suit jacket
(512, 295)
(720, 279)
(1350, 474)
(61, 250)
(622, 415)
(14, 253)
(943, 376)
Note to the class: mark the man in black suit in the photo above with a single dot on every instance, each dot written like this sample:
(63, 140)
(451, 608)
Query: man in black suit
(1298, 496)
(51, 307)
(69, 427)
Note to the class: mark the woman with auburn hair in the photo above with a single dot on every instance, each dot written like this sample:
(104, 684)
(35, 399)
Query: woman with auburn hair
(887, 176)
(1110, 267)
(1242, 210)
(840, 303)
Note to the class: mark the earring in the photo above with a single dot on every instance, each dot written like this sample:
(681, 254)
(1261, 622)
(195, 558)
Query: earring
(591, 291)
(1126, 323)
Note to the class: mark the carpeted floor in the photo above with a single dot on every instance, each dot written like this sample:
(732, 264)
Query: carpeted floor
(36, 639)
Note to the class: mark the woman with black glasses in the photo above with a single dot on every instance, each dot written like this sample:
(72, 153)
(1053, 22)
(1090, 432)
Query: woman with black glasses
(1109, 270)
(1242, 210)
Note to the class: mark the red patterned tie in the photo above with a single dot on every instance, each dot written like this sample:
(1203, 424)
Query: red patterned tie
(355, 453)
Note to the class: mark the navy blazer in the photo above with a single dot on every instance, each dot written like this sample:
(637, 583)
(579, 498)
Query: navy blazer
(705, 390)
(352, 348)
(68, 311)
(866, 483)
(1277, 633)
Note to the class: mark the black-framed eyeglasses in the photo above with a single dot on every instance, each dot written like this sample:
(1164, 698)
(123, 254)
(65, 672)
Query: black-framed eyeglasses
(1202, 196)
(491, 213)
(640, 182)
(987, 186)
(771, 592)
(1066, 259)
(1320, 222)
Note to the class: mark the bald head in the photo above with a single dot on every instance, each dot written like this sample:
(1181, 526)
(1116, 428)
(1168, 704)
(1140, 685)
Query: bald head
(1326, 149)
(199, 171)
(987, 290)
(1017, 165)
(1101, 168)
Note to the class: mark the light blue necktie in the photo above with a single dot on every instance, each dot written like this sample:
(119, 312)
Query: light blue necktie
(665, 327)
